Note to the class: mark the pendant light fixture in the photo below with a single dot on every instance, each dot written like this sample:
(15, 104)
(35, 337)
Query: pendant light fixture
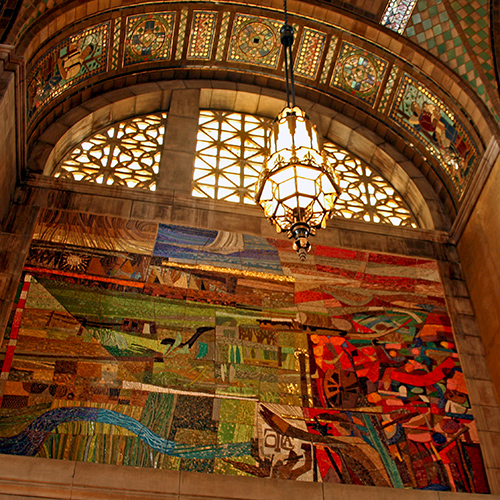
(297, 187)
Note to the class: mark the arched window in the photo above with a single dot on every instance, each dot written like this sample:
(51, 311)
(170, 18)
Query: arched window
(365, 194)
(231, 148)
(125, 154)
(230, 151)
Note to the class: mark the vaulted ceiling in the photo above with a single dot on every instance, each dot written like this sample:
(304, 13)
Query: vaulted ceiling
(432, 92)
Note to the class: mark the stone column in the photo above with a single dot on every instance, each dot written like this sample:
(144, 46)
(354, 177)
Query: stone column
(12, 124)
(482, 395)
(177, 163)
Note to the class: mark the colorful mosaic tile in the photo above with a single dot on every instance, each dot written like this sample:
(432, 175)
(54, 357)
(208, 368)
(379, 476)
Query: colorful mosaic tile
(474, 20)
(397, 14)
(201, 38)
(432, 123)
(148, 38)
(328, 59)
(181, 36)
(255, 40)
(347, 374)
(388, 88)
(432, 28)
(310, 52)
(116, 44)
(219, 55)
(75, 59)
(359, 72)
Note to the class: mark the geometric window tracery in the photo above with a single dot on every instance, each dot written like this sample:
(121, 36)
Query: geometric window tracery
(230, 150)
(126, 154)
(366, 195)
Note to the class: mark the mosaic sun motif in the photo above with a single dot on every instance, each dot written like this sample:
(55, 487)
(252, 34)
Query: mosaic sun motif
(201, 39)
(77, 58)
(432, 123)
(149, 37)
(218, 352)
(359, 72)
(255, 40)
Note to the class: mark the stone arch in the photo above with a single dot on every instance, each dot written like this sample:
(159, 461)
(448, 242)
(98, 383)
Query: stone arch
(401, 172)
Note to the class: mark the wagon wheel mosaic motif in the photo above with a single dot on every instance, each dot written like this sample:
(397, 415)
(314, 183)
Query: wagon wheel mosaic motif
(148, 38)
(126, 154)
(341, 388)
(359, 73)
(255, 40)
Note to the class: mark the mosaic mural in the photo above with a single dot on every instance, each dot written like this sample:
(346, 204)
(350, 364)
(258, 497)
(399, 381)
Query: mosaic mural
(75, 59)
(197, 350)
(148, 38)
(255, 40)
(359, 72)
(432, 123)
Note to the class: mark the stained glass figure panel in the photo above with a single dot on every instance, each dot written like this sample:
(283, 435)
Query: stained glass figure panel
(126, 154)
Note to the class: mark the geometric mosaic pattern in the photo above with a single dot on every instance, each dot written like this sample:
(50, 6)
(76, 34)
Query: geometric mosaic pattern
(201, 38)
(181, 34)
(309, 53)
(474, 20)
(255, 40)
(126, 154)
(358, 72)
(149, 37)
(432, 27)
(396, 14)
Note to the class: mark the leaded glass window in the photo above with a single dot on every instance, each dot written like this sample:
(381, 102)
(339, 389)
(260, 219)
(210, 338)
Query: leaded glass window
(125, 154)
(365, 194)
(230, 151)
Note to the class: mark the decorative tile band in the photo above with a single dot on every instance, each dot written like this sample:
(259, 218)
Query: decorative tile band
(201, 38)
(328, 59)
(219, 55)
(182, 34)
(310, 52)
(75, 59)
(388, 88)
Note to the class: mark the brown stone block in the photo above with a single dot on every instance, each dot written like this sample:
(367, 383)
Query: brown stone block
(185, 103)
(176, 171)
(180, 134)
(490, 448)
(118, 480)
(482, 392)
(36, 477)
(337, 491)
(193, 486)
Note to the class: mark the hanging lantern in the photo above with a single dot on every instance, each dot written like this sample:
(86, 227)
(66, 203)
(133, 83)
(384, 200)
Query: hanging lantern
(297, 187)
